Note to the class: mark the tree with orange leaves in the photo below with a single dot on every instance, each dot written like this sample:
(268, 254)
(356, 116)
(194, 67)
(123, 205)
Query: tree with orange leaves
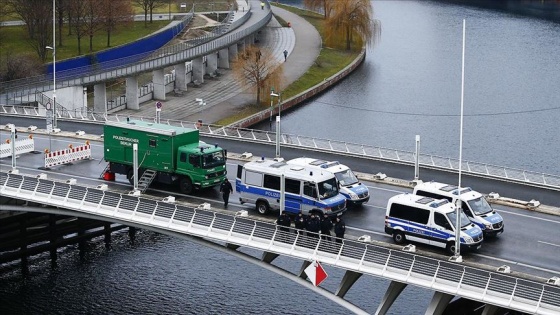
(350, 17)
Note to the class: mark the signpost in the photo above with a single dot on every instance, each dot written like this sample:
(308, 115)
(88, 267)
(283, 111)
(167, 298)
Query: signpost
(158, 111)
(316, 273)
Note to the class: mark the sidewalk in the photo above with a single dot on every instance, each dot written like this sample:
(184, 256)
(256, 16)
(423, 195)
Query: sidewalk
(223, 96)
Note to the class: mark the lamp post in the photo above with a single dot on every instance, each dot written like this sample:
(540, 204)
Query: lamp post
(272, 94)
(53, 48)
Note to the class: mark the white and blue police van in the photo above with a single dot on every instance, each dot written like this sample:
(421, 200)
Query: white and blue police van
(473, 203)
(306, 190)
(430, 221)
(355, 192)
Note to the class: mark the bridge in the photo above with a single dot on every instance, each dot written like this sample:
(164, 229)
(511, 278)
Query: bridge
(447, 279)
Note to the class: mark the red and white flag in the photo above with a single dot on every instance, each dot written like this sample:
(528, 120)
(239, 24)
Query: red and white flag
(316, 273)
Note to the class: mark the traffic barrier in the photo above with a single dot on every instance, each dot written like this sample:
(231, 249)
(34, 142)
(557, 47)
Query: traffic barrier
(22, 146)
(67, 156)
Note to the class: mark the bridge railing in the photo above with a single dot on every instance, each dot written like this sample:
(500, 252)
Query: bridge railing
(518, 176)
(436, 274)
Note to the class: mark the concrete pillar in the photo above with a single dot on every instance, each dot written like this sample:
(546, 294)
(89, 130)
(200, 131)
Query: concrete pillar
(107, 234)
(490, 309)
(198, 70)
(181, 77)
(211, 63)
(249, 40)
(393, 291)
(439, 303)
(350, 277)
(223, 58)
(132, 234)
(232, 52)
(52, 239)
(241, 47)
(158, 78)
(268, 257)
(100, 98)
(132, 93)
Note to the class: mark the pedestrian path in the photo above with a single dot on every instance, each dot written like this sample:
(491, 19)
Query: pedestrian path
(224, 96)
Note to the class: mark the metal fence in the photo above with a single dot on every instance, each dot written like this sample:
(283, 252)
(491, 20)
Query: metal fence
(452, 278)
(508, 174)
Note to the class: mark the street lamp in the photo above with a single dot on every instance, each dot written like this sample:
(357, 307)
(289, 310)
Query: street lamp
(272, 94)
(53, 48)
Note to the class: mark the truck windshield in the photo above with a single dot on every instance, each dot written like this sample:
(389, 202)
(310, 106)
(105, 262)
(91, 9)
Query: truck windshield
(328, 188)
(479, 206)
(346, 178)
(210, 160)
(453, 218)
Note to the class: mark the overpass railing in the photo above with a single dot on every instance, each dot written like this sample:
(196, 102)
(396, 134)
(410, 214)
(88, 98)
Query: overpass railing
(508, 174)
(452, 278)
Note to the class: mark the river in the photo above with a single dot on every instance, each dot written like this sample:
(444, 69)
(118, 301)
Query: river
(409, 84)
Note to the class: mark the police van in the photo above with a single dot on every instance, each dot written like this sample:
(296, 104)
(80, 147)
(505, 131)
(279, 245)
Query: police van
(475, 206)
(306, 190)
(355, 192)
(429, 221)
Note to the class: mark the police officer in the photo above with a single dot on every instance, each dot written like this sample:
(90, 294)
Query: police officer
(326, 226)
(299, 223)
(226, 189)
(339, 229)
(313, 225)
(284, 221)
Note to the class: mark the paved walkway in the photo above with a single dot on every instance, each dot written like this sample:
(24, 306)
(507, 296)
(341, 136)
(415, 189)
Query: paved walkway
(224, 96)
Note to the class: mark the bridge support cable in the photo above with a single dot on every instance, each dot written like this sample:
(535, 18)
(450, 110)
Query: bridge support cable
(490, 309)
(393, 291)
(439, 303)
(350, 277)
(304, 266)
(268, 257)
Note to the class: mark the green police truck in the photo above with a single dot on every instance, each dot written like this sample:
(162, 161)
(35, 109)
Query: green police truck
(169, 154)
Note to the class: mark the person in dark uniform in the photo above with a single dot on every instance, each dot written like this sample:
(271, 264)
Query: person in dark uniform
(339, 229)
(284, 221)
(226, 189)
(299, 222)
(326, 226)
(313, 225)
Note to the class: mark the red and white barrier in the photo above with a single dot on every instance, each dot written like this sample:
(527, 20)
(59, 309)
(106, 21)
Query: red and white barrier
(22, 146)
(68, 155)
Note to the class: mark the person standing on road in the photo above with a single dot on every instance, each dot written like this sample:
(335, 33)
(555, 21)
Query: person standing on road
(285, 54)
(262, 5)
(339, 229)
(299, 223)
(226, 189)
(313, 225)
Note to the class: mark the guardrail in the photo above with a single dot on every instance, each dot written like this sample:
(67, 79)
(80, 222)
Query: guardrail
(518, 176)
(452, 278)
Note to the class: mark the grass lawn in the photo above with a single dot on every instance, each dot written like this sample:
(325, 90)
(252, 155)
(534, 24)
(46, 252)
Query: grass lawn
(15, 40)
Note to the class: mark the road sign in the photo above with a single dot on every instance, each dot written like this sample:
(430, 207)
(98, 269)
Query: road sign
(316, 273)
(158, 106)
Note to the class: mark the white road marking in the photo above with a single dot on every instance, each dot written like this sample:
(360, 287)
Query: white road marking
(512, 262)
(527, 216)
(547, 243)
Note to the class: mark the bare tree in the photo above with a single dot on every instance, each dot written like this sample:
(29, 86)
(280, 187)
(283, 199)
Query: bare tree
(78, 11)
(257, 68)
(149, 6)
(33, 13)
(4, 11)
(324, 5)
(115, 13)
(93, 20)
(20, 66)
(349, 17)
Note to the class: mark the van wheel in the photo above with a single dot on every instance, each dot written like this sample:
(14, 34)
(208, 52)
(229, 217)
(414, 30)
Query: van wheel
(399, 238)
(262, 207)
(450, 248)
(185, 185)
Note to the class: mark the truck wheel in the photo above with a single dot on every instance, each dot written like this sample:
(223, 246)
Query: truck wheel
(399, 237)
(185, 185)
(262, 207)
(450, 248)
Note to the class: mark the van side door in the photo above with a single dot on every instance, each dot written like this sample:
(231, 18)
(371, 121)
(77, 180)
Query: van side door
(441, 229)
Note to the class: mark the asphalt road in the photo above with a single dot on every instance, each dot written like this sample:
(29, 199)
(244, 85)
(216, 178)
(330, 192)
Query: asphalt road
(530, 243)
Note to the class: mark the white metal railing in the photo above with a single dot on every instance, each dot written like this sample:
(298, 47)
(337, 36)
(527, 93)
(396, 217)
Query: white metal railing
(452, 278)
(547, 181)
